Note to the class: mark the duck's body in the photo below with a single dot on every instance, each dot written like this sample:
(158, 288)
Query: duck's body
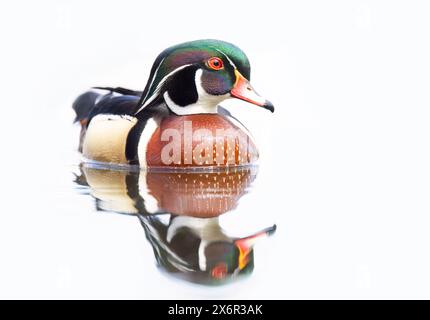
(176, 120)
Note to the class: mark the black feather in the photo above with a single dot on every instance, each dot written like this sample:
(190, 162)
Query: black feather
(119, 105)
(182, 87)
(91, 103)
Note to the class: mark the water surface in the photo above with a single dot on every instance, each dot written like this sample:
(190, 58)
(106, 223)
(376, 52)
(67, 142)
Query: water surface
(180, 213)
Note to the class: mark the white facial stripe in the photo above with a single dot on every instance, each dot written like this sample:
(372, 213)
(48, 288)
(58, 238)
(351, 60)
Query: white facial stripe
(154, 76)
(156, 91)
(228, 58)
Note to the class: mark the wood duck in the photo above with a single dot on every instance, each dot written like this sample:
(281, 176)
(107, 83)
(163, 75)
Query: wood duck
(186, 84)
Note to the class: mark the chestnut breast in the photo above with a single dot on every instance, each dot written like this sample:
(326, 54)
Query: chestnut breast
(200, 140)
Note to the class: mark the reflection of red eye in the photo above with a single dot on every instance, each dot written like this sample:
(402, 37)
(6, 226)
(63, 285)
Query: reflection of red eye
(219, 271)
(215, 63)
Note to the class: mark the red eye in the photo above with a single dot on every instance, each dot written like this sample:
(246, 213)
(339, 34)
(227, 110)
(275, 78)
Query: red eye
(215, 63)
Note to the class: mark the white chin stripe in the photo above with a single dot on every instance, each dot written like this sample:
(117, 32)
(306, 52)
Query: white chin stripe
(206, 103)
(190, 109)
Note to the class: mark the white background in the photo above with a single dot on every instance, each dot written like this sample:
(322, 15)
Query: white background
(345, 168)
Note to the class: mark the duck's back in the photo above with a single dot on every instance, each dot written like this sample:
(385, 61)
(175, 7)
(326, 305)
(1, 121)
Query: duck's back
(117, 101)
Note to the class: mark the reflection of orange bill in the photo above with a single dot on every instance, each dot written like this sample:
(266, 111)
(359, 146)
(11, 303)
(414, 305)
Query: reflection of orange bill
(245, 245)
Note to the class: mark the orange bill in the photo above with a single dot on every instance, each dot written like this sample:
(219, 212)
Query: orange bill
(243, 90)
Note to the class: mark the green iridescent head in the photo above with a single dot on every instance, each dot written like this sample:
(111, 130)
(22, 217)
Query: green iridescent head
(194, 77)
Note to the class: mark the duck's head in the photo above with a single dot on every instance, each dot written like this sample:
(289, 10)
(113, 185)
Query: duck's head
(223, 258)
(194, 77)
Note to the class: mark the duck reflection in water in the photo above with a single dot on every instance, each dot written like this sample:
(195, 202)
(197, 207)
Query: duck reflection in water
(179, 212)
